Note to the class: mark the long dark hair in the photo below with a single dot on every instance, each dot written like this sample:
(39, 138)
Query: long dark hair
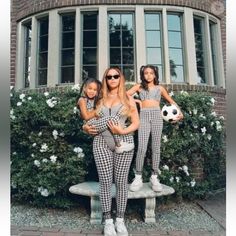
(84, 84)
(144, 83)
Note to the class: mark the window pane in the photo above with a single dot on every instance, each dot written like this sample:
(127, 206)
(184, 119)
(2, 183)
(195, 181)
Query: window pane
(90, 21)
(68, 57)
(43, 60)
(153, 38)
(89, 72)
(160, 69)
(197, 26)
(115, 56)
(152, 21)
(127, 22)
(176, 73)
(175, 39)
(114, 22)
(68, 40)
(129, 73)
(174, 22)
(43, 26)
(68, 23)
(127, 38)
(201, 74)
(90, 39)
(115, 39)
(43, 43)
(42, 77)
(67, 74)
(154, 56)
(176, 56)
(128, 56)
(89, 56)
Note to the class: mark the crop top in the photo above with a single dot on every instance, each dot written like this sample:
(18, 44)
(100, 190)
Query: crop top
(152, 94)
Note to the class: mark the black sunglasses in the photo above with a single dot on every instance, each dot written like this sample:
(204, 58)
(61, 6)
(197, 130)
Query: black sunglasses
(109, 77)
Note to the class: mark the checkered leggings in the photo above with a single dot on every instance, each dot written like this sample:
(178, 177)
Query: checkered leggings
(151, 122)
(108, 163)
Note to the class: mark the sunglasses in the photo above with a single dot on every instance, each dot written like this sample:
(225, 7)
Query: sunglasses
(109, 77)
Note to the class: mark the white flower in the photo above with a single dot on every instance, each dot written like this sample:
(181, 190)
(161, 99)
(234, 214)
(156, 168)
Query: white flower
(45, 193)
(212, 123)
(51, 102)
(44, 147)
(45, 160)
(165, 139)
(11, 95)
(165, 167)
(180, 168)
(75, 110)
(46, 94)
(171, 94)
(195, 126)
(32, 155)
(195, 111)
(55, 134)
(218, 127)
(78, 150)
(12, 114)
(37, 163)
(34, 144)
(213, 113)
(184, 93)
(171, 179)
(22, 96)
(177, 179)
(11, 87)
(40, 133)
(14, 153)
(222, 117)
(209, 137)
(213, 101)
(193, 182)
(203, 130)
(62, 134)
(76, 87)
(29, 98)
(53, 158)
(202, 116)
(80, 155)
(19, 104)
(185, 169)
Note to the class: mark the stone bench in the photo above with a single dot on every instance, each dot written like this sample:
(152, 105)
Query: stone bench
(91, 189)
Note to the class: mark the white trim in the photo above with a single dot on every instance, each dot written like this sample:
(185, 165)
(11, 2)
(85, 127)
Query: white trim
(53, 48)
(166, 65)
(78, 78)
(34, 49)
(140, 40)
(102, 47)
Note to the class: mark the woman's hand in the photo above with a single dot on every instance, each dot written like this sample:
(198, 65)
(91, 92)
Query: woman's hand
(178, 118)
(115, 129)
(90, 129)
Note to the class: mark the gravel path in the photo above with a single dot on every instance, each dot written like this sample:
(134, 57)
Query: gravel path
(183, 216)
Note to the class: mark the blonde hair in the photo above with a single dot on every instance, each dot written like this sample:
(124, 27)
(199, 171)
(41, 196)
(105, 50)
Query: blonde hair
(121, 92)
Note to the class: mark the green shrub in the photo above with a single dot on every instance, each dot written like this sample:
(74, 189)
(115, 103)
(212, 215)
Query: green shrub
(50, 152)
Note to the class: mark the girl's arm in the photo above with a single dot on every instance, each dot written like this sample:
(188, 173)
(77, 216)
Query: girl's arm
(117, 129)
(85, 114)
(133, 90)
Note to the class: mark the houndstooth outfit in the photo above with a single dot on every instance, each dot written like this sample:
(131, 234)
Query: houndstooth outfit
(108, 163)
(151, 122)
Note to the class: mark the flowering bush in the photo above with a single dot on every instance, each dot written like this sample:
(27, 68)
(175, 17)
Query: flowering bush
(49, 151)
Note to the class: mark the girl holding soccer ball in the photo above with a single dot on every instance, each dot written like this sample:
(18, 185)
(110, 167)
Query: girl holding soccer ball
(151, 122)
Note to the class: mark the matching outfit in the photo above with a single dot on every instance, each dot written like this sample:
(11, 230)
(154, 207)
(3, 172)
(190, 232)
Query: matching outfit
(150, 122)
(108, 162)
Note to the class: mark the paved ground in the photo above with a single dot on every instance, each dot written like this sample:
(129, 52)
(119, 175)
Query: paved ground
(215, 206)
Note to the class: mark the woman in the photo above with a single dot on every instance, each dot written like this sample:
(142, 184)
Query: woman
(114, 101)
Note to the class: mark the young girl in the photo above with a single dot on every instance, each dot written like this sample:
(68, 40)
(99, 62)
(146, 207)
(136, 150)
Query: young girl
(150, 93)
(87, 103)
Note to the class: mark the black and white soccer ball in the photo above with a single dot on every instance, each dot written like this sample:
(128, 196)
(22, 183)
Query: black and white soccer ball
(169, 112)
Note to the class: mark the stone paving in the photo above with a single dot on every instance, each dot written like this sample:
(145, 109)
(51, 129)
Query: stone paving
(214, 206)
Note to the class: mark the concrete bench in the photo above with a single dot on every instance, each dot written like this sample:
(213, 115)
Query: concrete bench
(91, 189)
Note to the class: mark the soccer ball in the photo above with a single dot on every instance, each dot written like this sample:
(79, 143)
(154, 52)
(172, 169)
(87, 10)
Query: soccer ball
(169, 113)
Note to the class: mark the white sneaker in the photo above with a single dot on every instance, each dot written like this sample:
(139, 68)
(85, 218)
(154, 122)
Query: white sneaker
(124, 147)
(156, 186)
(136, 184)
(109, 228)
(120, 227)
